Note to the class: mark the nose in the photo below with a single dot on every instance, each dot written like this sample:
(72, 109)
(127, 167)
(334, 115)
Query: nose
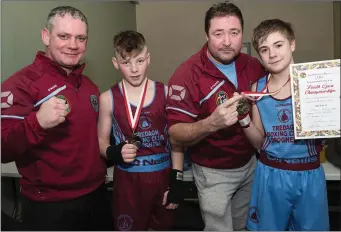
(272, 53)
(72, 43)
(227, 40)
(134, 67)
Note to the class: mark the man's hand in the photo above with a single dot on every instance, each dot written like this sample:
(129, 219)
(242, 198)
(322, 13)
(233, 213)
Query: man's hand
(225, 114)
(174, 195)
(52, 113)
(244, 118)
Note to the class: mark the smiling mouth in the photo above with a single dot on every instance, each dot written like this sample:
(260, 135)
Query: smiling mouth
(275, 62)
(69, 54)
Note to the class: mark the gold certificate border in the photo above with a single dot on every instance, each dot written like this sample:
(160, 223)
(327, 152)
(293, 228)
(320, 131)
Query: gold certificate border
(295, 70)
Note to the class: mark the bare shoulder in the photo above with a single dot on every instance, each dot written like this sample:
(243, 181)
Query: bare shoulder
(105, 95)
(105, 100)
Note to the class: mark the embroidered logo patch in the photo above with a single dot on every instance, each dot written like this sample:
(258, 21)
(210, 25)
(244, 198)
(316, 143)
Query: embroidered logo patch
(221, 97)
(177, 92)
(6, 99)
(284, 115)
(94, 102)
(145, 123)
(124, 222)
(253, 214)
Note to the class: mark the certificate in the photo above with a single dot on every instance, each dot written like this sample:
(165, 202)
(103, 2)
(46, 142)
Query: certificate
(315, 89)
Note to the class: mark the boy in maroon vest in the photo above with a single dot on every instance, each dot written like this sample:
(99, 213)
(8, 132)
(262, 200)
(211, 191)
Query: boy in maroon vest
(133, 113)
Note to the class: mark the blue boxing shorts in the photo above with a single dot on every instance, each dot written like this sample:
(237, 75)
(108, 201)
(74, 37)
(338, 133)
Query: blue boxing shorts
(285, 199)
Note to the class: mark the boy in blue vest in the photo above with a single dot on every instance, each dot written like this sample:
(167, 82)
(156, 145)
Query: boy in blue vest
(289, 188)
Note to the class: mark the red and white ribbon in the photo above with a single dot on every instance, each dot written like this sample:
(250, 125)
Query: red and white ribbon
(255, 96)
(133, 120)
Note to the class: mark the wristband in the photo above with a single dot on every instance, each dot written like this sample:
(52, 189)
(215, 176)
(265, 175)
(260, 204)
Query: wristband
(114, 154)
(175, 194)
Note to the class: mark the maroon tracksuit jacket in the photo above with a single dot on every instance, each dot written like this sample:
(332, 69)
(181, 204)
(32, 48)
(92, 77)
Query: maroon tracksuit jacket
(59, 163)
(195, 90)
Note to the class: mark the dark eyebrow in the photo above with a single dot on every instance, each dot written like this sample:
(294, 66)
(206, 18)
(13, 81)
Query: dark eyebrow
(235, 29)
(262, 47)
(218, 30)
(277, 42)
(280, 41)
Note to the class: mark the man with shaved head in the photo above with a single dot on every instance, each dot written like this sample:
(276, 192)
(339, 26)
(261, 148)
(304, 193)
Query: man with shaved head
(49, 114)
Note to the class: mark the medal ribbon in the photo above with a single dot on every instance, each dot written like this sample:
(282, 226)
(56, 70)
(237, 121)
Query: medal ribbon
(133, 120)
(254, 96)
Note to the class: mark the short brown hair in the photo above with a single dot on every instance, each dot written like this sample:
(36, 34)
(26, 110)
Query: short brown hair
(262, 31)
(220, 10)
(129, 43)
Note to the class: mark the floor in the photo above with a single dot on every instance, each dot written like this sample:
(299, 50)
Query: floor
(188, 217)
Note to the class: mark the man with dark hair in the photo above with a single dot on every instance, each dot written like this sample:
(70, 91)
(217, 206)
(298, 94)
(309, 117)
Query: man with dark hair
(49, 128)
(203, 114)
(146, 187)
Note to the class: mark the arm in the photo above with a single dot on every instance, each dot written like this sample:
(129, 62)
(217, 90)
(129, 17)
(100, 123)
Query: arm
(18, 135)
(177, 151)
(189, 134)
(114, 154)
(255, 132)
(174, 195)
(183, 108)
(104, 122)
(223, 116)
(177, 155)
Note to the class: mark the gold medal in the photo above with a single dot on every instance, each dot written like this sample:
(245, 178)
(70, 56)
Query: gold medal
(136, 140)
(243, 107)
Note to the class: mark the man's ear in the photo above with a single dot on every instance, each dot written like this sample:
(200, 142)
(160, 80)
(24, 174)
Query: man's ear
(45, 36)
(115, 63)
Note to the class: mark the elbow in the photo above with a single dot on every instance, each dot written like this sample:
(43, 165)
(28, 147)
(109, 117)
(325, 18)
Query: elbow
(172, 137)
(102, 147)
(176, 145)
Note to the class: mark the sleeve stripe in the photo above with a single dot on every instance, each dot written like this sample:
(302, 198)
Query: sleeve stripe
(182, 111)
(212, 92)
(12, 116)
(54, 93)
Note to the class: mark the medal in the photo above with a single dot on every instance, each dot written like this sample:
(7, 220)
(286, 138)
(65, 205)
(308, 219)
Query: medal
(243, 107)
(136, 140)
(133, 120)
